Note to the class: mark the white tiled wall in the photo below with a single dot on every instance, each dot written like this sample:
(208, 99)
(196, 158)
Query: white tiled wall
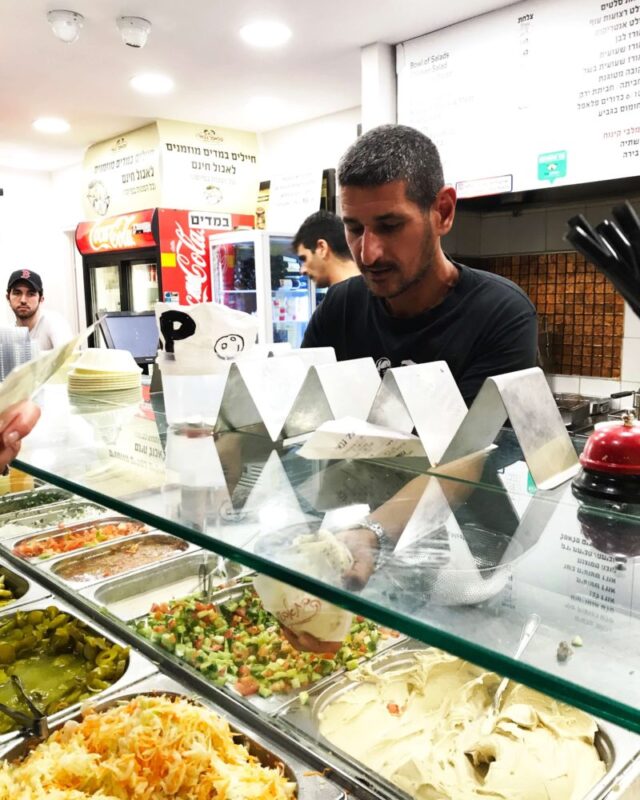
(589, 387)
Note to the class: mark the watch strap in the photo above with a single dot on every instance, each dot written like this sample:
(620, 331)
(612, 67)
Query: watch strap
(385, 544)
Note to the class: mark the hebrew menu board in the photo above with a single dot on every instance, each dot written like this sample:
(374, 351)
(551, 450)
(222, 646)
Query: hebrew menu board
(534, 95)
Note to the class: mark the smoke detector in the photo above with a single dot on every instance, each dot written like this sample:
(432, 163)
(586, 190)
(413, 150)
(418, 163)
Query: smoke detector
(65, 24)
(134, 30)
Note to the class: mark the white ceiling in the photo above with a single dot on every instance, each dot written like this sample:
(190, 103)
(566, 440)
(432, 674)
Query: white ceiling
(195, 42)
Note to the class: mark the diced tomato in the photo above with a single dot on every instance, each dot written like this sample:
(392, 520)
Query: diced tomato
(228, 634)
(393, 709)
(247, 685)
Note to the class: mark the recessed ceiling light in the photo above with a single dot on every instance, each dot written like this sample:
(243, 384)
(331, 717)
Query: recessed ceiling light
(265, 33)
(152, 83)
(51, 125)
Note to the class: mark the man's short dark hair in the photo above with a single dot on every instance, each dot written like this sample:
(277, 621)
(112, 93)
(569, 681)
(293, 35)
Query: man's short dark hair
(323, 225)
(394, 153)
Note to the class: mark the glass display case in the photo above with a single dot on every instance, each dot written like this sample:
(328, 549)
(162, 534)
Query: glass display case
(479, 548)
(258, 273)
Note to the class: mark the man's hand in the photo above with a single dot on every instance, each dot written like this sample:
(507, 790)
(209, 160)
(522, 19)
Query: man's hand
(16, 422)
(305, 642)
(363, 546)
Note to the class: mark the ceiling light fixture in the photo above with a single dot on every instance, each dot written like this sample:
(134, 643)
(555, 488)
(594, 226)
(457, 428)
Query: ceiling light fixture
(265, 33)
(65, 24)
(152, 83)
(51, 125)
(134, 30)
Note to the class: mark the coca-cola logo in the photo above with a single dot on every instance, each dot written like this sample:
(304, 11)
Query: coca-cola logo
(116, 234)
(299, 612)
(191, 257)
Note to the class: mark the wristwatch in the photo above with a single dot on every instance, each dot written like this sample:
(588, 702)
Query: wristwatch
(386, 545)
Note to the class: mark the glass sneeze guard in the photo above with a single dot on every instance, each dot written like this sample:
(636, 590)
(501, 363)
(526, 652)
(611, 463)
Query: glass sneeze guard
(478, 550)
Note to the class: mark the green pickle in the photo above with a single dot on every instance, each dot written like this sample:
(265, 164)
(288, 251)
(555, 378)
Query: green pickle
(59, 660)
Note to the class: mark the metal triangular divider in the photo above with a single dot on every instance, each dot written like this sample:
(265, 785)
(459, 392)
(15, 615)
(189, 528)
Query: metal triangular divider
(332, 391)
(273, 503)
(258, 395)
(424, 397)
(523, 397)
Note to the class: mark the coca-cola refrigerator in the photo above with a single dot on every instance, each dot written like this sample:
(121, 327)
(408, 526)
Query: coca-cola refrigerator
(259, 273)
(132, 260)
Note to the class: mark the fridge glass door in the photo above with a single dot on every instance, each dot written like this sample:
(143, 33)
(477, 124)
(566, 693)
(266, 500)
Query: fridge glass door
(233, 268)
(291, 297)
(105, 289)
(144, 286)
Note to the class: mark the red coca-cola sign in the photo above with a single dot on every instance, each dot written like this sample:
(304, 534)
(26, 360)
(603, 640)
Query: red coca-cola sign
(123, 232)
(185, 250)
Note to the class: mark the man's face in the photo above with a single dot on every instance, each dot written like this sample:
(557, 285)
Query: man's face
(312, 264)
(392, 240)
(24, 300)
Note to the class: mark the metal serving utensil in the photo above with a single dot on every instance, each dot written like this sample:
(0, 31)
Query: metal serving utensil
(528, 630)
(209, 579)
(36, 724)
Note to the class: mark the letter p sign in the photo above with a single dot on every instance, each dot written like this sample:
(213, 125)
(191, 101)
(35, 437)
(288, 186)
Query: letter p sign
(174, 326)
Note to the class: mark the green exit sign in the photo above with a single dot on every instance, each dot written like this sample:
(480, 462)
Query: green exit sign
(552, 166)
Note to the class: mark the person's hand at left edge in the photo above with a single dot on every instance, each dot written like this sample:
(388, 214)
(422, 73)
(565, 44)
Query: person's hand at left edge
(16, 422)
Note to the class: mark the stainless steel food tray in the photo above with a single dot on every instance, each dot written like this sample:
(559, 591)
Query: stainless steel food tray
(56, 532)
(54, 565)
(139, 666)
(155, 577)
(617, 747)
(48, 516)
(18, 581)
(311, 785)
(267, 705)
(10, 499)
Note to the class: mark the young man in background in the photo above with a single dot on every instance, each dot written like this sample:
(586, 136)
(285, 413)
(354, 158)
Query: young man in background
(322, 250)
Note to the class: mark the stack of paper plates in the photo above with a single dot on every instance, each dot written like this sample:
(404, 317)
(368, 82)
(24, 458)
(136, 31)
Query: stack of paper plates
(98, 371)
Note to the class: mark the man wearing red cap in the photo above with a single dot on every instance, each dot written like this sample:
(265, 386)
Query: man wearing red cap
(25, 296)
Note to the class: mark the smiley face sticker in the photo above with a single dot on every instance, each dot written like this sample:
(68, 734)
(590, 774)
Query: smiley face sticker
(229, 346)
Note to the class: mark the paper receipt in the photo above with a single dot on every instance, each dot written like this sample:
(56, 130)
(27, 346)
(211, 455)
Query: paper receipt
(349, 437)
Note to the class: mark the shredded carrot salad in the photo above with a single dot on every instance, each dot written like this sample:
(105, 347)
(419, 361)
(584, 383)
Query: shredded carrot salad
(147, 749)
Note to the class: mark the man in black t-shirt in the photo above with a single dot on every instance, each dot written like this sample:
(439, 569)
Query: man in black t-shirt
(411, 303)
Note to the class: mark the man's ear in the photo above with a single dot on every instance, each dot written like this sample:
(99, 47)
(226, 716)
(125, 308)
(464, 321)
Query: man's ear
(443, 210)
(322, 248)
(41, 297)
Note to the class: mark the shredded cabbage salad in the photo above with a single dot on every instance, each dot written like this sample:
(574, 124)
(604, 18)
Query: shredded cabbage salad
(152, 747)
